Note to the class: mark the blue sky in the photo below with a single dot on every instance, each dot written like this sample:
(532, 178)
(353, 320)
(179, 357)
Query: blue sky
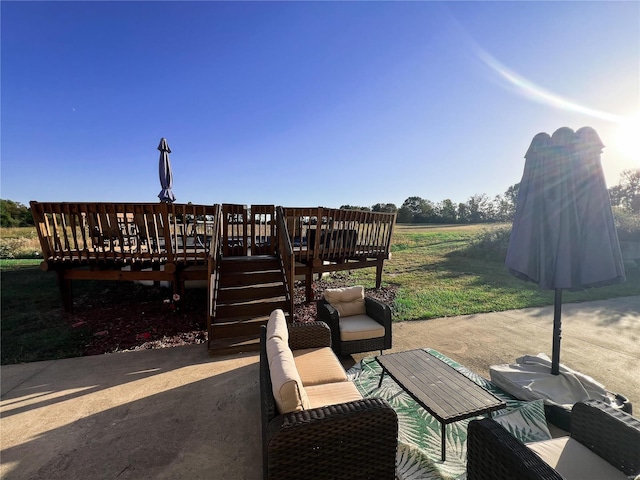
(305, 103)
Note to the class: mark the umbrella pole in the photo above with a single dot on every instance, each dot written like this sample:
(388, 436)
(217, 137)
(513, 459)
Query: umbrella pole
(557, 333)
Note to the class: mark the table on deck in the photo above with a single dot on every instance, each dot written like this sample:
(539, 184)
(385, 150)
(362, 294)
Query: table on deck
(440, 389)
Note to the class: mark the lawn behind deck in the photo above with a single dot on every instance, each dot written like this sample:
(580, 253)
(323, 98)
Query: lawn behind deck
(448, 270)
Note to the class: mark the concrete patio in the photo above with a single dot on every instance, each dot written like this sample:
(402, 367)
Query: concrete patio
(178, 413)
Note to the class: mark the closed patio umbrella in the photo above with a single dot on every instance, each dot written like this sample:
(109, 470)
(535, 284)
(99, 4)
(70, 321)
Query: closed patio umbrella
(563, 235)
(166, 176)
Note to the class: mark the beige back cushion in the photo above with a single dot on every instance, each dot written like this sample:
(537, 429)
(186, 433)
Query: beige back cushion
(277, 326)
(347, 301)
(286, 384)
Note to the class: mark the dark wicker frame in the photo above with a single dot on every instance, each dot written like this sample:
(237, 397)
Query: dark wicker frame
(494, 454)
(376, 309)
(353, 440)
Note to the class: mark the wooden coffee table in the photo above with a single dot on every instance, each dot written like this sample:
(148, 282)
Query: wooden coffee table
(440, 389)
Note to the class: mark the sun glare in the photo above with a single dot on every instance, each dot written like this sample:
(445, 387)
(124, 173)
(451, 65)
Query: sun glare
(627, 141)
(628, 137)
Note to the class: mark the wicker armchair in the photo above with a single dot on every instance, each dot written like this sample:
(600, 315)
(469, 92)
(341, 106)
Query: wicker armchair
(611, 434)
(376, 311)
(351, 440)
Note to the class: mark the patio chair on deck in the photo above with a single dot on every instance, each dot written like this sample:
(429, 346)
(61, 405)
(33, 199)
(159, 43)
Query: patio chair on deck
(358, 323)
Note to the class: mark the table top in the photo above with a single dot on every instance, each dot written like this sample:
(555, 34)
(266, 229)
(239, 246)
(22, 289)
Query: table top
(443, 391)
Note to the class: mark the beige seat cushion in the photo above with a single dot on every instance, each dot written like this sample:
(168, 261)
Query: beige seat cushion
(288, 391)
(318, 366)
(277, 326)
(574, 461)
(360, 327)
(332, 394)
(347, 301)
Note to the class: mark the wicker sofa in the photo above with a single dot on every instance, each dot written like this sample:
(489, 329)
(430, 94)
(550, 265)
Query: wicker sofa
(604, 444)
(315, 423)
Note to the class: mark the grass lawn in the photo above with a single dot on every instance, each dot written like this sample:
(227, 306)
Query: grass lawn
(439, 271)
(33, 326)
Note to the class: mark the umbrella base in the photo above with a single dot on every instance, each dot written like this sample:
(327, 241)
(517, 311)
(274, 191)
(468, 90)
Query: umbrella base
(530, 378)
(561, 416)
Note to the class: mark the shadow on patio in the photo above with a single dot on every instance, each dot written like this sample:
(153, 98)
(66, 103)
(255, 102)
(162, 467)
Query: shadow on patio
(172, 413)
(178, 413)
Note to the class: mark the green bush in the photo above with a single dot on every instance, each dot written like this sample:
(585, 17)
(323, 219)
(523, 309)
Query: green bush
(627, 224)
(6, 251)
(491, 243)
(18, 247)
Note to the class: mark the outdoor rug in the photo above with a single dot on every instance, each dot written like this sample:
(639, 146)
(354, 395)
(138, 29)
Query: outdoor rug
(419, 433)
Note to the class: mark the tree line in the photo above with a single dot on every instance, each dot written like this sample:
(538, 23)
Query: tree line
(481, 208)
(477, 209)
(14, 214)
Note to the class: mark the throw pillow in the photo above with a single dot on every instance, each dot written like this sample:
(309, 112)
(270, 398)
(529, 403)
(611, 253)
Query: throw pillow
(347, 301)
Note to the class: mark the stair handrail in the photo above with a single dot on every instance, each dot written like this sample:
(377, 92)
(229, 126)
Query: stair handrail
(287, 260)
(213, 265)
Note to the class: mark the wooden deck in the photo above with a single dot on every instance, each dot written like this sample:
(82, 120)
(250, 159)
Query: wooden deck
(179, 242)
(122, 241)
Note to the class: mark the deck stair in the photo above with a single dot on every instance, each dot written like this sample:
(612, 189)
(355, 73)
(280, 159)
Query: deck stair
(249, 289)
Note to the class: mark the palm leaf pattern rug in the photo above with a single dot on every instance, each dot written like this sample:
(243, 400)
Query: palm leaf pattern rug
(418, 455)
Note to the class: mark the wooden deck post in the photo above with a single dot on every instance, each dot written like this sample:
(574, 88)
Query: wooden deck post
(66, 291)
(379, 272)
(308, 286)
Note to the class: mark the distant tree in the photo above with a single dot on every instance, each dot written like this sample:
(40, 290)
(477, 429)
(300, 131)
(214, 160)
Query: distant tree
(353, 207)
(427, 214)
(446, 211)
(503, 209)
(419, 209)
(512, 193)
(384, 208)
(627, 193)
(404, 215)
(479, 208)
(14, 214)
(409, 210)
(505, 205)
(615, 195)
(463, 214)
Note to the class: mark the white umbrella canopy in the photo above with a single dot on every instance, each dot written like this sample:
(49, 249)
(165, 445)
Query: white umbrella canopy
(166, 175)
(563, 235)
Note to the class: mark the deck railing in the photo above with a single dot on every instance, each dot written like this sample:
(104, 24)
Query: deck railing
(235, 231)
(213, 266)
(192, 231)
(154, 241)
(287, 259)
(263, 231)
(100, 232)
(123, 233)
(328, 234)
(160, 241)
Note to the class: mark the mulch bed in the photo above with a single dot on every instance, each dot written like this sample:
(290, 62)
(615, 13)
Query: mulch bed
(127, 316)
